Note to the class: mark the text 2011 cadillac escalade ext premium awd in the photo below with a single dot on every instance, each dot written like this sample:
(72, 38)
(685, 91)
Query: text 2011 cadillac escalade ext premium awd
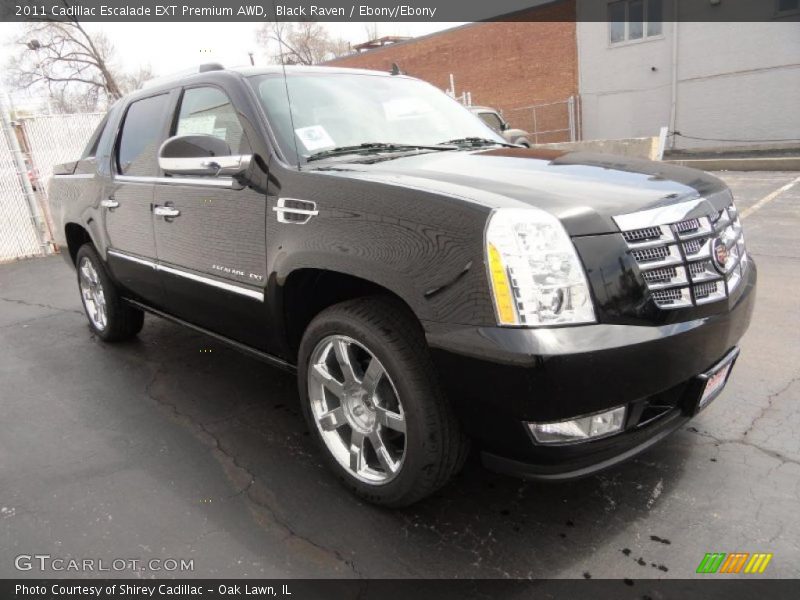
(429, 283)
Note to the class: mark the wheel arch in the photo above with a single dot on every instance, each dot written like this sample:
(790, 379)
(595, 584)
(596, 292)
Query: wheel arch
(308, 291)
(76, 236)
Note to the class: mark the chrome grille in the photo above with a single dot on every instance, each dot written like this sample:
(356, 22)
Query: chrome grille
(703, 290)
(673, 298)
(677, 257)
(660, 275)
(699, 267)
(694, 246)
(641, 235)
(687, 226)
(649, 254)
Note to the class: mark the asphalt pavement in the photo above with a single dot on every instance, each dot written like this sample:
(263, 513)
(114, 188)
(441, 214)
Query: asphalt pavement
(174, 446)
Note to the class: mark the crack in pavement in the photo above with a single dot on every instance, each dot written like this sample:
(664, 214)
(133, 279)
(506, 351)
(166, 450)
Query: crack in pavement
(770, 399)
(33, 320)
(771, 453)
(39, 305)
(247, 489)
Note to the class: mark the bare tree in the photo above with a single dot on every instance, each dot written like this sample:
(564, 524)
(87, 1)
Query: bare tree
(300, 43)
(372, 31)
(64, 100)
(129, 82)
(64, 58)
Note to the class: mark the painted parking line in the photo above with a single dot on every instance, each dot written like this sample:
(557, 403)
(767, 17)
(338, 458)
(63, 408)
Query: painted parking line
(768, 198)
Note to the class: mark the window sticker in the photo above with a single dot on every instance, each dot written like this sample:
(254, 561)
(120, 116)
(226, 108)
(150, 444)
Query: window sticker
(197, 125)
(314, 137)
(405, 108)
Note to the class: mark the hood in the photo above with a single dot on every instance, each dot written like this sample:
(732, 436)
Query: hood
(584, 190)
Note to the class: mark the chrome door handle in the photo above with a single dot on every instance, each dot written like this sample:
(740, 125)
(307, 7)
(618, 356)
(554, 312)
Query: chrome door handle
(109, 203)
(166, 211)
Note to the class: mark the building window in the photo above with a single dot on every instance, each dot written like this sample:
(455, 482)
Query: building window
(631, 20)
(788, 6)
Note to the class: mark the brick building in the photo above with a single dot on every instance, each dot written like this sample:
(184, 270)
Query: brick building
(507, 65)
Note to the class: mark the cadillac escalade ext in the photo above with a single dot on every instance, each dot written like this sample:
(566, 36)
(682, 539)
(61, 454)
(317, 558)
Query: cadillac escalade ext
(429, 283)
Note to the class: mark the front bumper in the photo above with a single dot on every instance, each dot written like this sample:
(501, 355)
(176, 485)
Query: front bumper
(500, 378)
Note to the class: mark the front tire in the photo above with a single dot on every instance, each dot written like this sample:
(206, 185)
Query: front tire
(109, 317)
(371, 399)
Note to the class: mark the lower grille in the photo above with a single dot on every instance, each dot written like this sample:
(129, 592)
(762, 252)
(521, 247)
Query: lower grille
(650, 254)
(673, 297)
(688, 262)
(664, 275)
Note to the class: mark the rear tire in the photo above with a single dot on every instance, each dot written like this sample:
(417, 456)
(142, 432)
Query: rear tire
(111, 319)
(386, 430)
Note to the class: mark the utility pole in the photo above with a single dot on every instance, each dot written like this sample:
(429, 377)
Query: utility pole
(22, 171)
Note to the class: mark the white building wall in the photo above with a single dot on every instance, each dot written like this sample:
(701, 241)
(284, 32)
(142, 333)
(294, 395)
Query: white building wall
(737, 83)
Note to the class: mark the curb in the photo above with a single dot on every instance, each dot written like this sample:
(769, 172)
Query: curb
(781, 163)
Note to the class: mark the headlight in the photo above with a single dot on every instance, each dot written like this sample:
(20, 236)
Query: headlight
(534, 271)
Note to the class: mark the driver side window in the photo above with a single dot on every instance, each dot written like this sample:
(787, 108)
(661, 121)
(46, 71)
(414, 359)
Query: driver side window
(208, 111)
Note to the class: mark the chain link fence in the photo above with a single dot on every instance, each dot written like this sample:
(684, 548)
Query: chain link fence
(29, 149)
(20, 231)
(548, 122)
(52, 140)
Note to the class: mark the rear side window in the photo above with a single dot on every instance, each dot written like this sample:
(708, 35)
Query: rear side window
(141, 136)
(91, 146)
(208, 111)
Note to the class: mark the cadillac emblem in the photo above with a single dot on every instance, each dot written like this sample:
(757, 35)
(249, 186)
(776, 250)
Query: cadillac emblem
(720, 254)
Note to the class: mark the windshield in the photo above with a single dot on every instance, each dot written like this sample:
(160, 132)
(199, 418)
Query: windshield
(332, 110)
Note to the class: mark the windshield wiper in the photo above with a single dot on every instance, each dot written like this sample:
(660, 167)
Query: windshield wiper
(370, 147)
(478, 141)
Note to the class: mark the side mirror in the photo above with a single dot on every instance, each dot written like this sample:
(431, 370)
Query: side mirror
(201, 155)
(505, 126)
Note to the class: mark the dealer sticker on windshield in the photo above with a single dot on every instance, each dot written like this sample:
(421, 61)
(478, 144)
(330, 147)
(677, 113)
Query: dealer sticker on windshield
(716, 378)
(314, 137)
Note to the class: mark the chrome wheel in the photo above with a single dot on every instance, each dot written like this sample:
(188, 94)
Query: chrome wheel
(357, 409)
(92, 293)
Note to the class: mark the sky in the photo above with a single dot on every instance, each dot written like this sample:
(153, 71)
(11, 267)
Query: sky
(173, 47)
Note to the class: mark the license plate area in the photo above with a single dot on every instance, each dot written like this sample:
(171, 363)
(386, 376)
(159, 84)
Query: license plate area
(713, 381)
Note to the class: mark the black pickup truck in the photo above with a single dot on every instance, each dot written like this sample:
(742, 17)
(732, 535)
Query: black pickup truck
(429, 283)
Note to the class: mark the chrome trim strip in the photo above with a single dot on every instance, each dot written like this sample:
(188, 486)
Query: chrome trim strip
(665, 215)
(74, 176)
(124, 255)
(256, 295)
(662, 241)
(229, 287)
(222, 182)
(669, 261)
